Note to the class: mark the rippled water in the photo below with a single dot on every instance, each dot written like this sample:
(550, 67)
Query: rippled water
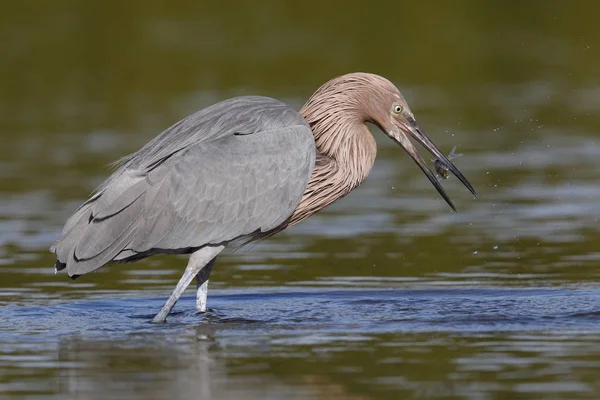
(311, 343)
(386, 294)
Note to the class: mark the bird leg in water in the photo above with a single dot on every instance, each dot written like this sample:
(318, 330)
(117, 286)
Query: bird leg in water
(198, 261)
(202, 286)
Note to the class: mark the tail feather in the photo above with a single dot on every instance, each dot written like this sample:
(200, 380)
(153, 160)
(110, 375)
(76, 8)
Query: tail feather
(76, 266)
(81, 211)
(102, 235)
(59, 266)
(119, 196)
(101, 228)
(77, 225)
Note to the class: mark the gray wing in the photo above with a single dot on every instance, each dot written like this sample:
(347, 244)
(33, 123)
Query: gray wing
(234, 170)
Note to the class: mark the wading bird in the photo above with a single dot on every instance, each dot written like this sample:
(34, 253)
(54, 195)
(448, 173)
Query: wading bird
(240, 170)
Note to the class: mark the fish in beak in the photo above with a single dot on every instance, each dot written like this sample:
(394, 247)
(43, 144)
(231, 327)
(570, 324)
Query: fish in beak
(408, 128)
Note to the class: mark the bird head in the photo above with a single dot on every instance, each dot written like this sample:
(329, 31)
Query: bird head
(356, 98)
(385, 107)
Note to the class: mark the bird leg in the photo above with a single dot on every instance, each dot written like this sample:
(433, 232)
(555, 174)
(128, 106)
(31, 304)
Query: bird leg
(197, 262)
(202, 286)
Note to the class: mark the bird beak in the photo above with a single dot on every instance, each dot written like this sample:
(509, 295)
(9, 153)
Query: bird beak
(402, 138)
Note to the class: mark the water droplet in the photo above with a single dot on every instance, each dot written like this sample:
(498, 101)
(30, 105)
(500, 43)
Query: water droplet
(495, 247)
(475, 252)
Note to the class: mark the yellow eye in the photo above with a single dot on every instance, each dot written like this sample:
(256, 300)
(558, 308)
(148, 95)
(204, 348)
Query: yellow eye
(397, 109)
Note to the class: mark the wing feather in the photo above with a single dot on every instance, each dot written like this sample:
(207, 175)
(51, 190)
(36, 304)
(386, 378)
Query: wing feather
(198, 183)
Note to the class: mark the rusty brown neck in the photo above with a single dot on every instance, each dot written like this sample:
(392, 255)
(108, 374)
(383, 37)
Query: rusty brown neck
(346, 152)
(346, 140)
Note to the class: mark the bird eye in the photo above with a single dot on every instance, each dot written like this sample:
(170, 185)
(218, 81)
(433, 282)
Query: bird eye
(397, 109)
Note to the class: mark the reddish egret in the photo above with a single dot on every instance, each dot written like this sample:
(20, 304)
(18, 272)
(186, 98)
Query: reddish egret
(240, 170)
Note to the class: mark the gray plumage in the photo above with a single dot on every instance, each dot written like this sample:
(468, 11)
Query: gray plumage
(242, 169)
(234, 170)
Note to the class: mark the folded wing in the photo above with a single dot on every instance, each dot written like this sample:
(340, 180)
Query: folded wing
(235, 172)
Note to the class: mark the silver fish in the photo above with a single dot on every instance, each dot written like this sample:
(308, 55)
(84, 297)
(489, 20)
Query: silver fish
(439, 167)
